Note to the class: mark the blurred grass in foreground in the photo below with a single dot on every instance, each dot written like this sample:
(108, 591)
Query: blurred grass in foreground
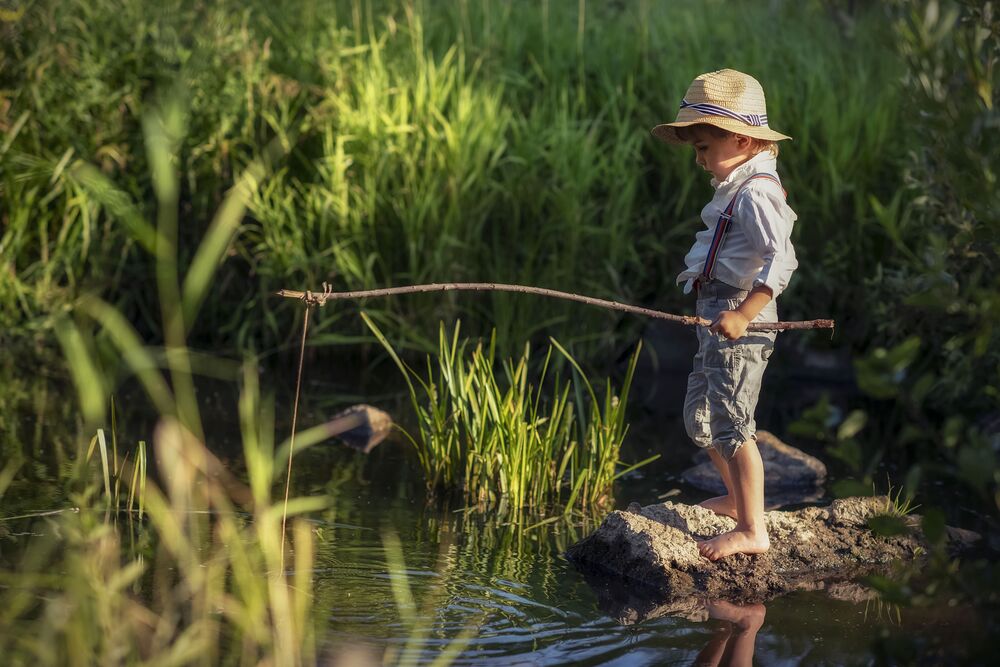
(213, 590)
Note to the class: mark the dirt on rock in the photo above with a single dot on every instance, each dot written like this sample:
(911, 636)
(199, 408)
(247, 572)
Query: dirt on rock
(652, 551)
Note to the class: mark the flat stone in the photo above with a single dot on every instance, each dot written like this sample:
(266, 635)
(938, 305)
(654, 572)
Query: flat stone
(790, 475)
(651, 554)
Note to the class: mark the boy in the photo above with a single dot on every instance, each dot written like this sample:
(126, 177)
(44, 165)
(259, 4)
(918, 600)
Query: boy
(738, 266)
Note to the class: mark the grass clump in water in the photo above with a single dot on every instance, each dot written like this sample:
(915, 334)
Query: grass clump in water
(494, 437)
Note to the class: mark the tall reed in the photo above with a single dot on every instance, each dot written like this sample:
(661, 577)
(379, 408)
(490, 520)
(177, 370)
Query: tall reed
(497, 440)
(214, 590)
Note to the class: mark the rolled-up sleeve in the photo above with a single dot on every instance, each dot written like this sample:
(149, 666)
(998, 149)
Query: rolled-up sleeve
(766, 220)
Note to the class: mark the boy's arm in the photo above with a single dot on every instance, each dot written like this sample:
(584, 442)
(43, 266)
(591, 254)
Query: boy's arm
(733, 323)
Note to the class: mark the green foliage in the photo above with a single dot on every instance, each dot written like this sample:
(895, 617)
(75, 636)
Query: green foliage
(891, 518)
(934, 366)
(496, 438)
(933, 526)
(887, 525)
(881, 373)
(825, 423)
(78, 594)
(456, 141)
(941, 286)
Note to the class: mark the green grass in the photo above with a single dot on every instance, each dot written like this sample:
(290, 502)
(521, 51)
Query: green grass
(489, 430)
(897, 505)
(197, 582)
(465, 141)
(201, 575)
(194, 583)
(132, 474)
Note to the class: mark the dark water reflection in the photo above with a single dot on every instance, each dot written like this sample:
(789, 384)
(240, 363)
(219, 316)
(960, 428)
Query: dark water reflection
(531, 607)
(526, 603)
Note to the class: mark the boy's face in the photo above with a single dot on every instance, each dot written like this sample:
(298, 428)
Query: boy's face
(720, 155)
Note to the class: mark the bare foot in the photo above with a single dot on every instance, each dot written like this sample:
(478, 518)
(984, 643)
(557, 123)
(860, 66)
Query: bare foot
(723, 505)
(735, 542)
(744, 617)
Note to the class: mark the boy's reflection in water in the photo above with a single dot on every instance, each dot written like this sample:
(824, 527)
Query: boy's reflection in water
(733, 643)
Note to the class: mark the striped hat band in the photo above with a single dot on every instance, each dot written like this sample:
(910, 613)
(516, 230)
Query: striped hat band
(758, 120)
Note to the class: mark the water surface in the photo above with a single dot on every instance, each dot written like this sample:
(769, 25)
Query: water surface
(525, 604)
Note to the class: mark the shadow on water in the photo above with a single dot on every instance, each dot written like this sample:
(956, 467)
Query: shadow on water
(526, 603)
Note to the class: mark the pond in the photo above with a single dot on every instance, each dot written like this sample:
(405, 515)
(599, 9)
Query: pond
(495, 592)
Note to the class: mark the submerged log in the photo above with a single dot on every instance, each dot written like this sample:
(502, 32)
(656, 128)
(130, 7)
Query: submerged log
(360, 426)
(652, 551)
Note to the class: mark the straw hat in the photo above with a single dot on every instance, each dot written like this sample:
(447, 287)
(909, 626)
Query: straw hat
(728, 99)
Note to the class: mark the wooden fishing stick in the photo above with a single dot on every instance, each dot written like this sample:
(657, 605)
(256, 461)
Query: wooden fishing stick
(320, 298)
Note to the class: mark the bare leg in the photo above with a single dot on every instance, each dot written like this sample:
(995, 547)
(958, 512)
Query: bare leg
(724, 505)
(714, 649)
(747, 620)
(746, 471)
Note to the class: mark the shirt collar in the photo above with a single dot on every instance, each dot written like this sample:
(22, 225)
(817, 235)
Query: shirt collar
(761, 162)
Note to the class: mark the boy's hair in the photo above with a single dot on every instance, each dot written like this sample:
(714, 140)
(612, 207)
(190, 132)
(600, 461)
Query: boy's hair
(757, 145)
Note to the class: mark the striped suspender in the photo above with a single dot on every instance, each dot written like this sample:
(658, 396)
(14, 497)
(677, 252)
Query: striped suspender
(723, 226)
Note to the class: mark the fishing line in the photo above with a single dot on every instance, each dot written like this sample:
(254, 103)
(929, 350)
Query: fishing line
(295, 415)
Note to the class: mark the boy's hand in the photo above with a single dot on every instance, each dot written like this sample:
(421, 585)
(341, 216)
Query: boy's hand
(730, 323)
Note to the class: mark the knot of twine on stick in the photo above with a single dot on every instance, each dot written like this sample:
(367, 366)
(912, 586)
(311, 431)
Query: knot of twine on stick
(317, 298)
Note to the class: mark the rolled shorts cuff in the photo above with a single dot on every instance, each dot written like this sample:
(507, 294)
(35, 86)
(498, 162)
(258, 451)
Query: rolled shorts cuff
(727, 447)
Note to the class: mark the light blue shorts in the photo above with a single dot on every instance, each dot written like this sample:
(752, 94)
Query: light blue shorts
(725, 381)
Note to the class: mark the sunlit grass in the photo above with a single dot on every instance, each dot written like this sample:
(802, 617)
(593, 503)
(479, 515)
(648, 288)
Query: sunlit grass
(117, 471)
(490, 430)
(457, 141)
(201, 581)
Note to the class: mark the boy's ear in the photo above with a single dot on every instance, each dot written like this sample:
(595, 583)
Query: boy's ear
(743, 141)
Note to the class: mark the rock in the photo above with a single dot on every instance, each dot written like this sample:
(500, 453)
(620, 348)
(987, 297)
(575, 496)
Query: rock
(653, 555)
(790, 475)
(850, 591)
(360, 426)
(966, 538)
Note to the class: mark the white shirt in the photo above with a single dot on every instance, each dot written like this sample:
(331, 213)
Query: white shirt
(758, 247)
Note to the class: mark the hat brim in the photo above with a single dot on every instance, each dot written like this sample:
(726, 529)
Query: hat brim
(667, 132)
